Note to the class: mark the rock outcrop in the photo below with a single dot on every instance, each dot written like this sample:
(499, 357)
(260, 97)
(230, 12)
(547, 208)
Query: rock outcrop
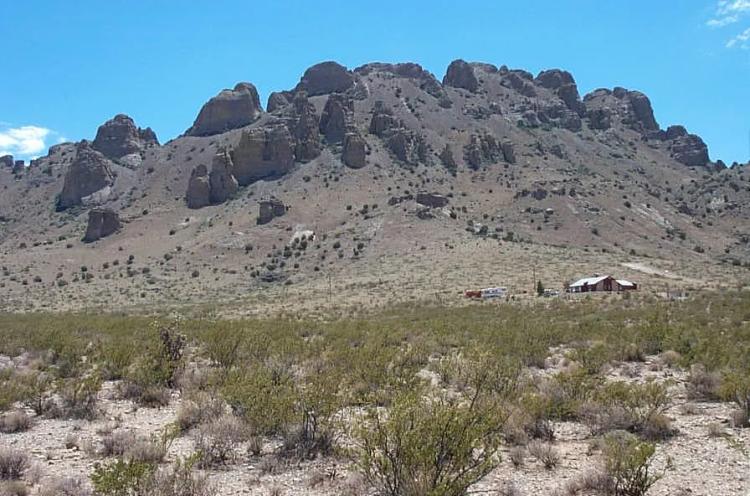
(564, 86)
(690, 150)
(228, 110)
(6, 161)
(120, 136)
(460, 74)
(278, 100)
(222, 181)
(631, 108)
(487, 150)
(270, 209)
(325, 78)
(355, 151)
(89, 173)
(263, 153)
(199, 189)
(335, 118)
(102, 223)
(382, 120)
(306, 132)
(424, 79)
(432, 200)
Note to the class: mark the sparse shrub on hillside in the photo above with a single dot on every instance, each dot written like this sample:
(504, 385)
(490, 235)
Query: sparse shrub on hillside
(199, 408)
(36, 390)
(216, 442)
(68, 486)
(13, 488)
(117, 443)
(736, 388)
(703, 384)
(122, 478)
(78, 396)
(544, 453)
(13, 464)
(13, 422)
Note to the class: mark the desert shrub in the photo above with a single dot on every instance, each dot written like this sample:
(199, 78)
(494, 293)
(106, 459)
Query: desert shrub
(637, 408)
(78, 396)
(703, 384)
(9, 391)
(68, 486)
(122, 478)
(263, 398)
(13, 422)
(198, 409)
(216, 442)
(179, 480)
(150, 450)
(544, 453)
(13, 488)
(224, 345)
(438, 447)
(592, 358)
(36, 390)
(628, 464)
(517, 455)
(13, 464)
(567, 391)
(148, 378)
(117, 443)
(736, 388)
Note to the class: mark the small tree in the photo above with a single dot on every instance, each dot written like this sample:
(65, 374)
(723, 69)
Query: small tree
(627, 462)
(539, 288)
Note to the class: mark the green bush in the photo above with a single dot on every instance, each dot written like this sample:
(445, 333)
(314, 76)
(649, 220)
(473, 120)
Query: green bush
(628, 463)
(437, 447)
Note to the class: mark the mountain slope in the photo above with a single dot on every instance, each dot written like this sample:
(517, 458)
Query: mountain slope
(517, 176)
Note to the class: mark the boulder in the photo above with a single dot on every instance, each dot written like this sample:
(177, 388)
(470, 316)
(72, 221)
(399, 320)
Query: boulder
(228, 110)
(432, 200)
(270, 209)
(406, 146)
(599, 118)
(278, 100)
(674, 132)
(644, 114)
(486, 150)
(382, 120)
(447, 159)
(520, 81)
(335, 118)
(6, 161)
(325, 78)
(690, 150)
(306, 132)
(263, 153)
(509, 153)
(102, 222)
(89, 173)
(554, 78)
(199, 189)
(222, 182)
(119, 137)
(355, 151)
(460, 74)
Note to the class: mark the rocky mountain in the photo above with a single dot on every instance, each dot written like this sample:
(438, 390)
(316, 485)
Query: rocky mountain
(357, 172)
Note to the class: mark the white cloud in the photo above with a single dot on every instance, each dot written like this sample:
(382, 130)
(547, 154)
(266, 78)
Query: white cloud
(25, 142)
(728, 12)
(741, 40)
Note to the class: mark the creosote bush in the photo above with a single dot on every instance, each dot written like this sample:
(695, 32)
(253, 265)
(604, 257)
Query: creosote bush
(13, 464)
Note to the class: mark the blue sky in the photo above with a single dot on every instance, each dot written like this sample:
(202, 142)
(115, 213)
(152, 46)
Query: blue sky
(69, 66)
